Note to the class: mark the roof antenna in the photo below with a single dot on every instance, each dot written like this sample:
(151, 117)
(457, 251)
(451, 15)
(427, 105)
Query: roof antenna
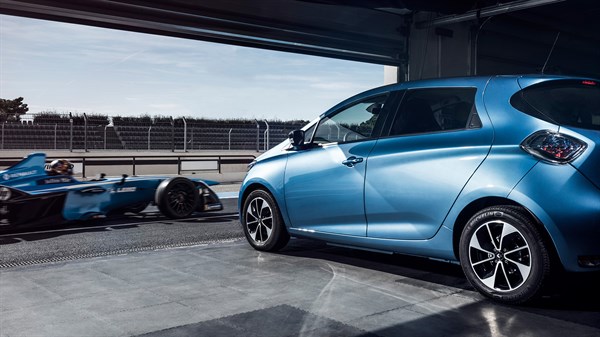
(550, 53)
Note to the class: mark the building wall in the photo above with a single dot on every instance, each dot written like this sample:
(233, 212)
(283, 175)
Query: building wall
(502, 44)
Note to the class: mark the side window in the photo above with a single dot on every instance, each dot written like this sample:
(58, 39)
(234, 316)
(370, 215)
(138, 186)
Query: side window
(434, 110)
(353, 123)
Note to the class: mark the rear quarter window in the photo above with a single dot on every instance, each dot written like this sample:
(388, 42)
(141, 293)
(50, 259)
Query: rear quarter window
(565, 102)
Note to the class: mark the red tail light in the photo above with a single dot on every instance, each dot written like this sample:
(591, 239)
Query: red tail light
(553, 146)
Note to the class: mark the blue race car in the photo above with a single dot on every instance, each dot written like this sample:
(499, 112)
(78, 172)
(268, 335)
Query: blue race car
(31, 195)
(500, 174)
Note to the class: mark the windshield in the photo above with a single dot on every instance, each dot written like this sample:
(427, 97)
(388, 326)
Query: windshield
(571, 102)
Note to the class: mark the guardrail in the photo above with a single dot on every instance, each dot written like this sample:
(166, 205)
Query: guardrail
(211, 163)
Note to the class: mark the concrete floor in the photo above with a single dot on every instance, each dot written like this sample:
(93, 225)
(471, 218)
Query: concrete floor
(229, 289)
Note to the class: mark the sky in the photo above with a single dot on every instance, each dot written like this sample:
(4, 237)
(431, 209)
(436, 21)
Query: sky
(65, 68)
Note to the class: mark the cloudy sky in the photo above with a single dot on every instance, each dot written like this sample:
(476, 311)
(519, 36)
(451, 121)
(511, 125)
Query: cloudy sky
(71, 68)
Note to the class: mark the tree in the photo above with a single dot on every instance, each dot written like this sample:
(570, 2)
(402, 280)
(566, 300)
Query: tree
(12, 109)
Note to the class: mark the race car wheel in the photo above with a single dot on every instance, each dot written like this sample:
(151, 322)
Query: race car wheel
(176, 197)
(262, 222)
(137, 208)
(503, 255)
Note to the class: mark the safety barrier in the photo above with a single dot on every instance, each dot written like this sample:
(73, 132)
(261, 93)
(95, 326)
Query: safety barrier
(187, 163)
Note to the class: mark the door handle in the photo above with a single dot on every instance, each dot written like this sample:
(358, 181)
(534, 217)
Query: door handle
(352, 160)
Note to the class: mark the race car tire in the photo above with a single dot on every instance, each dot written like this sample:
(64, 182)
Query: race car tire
(176, 197)
(137, 208)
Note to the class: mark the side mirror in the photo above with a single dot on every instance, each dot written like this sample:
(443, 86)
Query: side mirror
(297, 138)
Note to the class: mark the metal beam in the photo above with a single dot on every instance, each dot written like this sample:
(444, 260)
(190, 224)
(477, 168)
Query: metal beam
(142, 16)
(485, 12)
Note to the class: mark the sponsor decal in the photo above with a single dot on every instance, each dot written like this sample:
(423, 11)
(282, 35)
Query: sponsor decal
(8, 176)
(124, 190)
(56, 180)
(93, 190)
(4, 194)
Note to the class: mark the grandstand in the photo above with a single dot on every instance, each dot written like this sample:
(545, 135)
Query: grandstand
(47, 131)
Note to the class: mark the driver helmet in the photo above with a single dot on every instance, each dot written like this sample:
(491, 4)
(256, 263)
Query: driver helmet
(61, 166)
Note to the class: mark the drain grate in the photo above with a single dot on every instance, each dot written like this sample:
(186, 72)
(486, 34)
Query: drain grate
(113, 252)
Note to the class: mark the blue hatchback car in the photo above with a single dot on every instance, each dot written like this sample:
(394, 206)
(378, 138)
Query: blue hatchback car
(501, 174)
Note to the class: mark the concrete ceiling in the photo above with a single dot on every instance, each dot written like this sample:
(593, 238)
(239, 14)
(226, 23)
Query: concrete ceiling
(373, 31)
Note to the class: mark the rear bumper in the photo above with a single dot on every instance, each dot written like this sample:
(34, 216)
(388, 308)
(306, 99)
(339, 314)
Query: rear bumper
(568, 205)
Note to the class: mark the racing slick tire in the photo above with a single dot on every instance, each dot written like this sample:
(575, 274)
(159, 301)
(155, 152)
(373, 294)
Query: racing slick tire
(176, 197)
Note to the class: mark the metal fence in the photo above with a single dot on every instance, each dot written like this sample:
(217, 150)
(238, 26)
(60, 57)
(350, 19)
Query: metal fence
(83, 132)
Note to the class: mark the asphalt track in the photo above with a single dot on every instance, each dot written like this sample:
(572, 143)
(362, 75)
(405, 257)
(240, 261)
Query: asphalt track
(112, 236)
(575, 301)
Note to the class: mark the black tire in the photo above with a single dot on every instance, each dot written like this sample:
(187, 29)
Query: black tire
(137, 208)
(176, 197)
(262, 222)
(504, 256)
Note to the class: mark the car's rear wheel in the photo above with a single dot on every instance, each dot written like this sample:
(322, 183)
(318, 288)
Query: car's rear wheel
(176, 197)
(137, 208)
(262, 222)
(503, 255)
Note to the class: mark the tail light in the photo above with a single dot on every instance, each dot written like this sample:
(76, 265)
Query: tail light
(553, 146)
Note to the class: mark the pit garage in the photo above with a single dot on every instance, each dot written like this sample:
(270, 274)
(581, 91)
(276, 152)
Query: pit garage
(421, 39)
(154, 277)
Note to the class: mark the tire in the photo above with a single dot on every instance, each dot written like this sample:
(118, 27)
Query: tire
(137, 208)
(504, 256)
(262, 222)
(176, 197)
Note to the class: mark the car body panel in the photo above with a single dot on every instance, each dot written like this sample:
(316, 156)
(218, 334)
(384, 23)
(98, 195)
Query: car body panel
(569, 207)
(589, 161)
(398, 205)
(412, 210)
(37, 198)
(435, 247)
(316, 176)
(514, 125)
(270, 178)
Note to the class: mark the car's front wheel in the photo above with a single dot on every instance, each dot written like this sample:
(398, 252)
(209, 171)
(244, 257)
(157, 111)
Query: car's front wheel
(176, 197)
(503, 255)
(262, 222)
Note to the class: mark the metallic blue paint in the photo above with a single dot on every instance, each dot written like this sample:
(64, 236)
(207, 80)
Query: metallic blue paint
(397, 205)
(316, 177)
(569, 207)
(408, 193)
(56, 198)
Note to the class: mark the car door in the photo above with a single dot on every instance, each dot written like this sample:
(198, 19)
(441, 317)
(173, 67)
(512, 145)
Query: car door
(435, 143)
(324, 183)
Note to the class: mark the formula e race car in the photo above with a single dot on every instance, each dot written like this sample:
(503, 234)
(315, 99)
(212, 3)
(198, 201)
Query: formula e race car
(31, 195)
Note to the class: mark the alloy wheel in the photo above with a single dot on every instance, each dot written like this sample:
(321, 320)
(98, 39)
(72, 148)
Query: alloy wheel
(500, 256)
(259, 220)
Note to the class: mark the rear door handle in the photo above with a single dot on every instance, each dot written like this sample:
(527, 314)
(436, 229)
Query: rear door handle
(352, 160)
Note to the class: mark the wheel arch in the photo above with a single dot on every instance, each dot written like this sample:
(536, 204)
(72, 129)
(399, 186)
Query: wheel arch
(253, 187)
(479, 204)
(256, 185)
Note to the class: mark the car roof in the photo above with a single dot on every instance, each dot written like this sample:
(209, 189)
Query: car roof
(469, 81)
